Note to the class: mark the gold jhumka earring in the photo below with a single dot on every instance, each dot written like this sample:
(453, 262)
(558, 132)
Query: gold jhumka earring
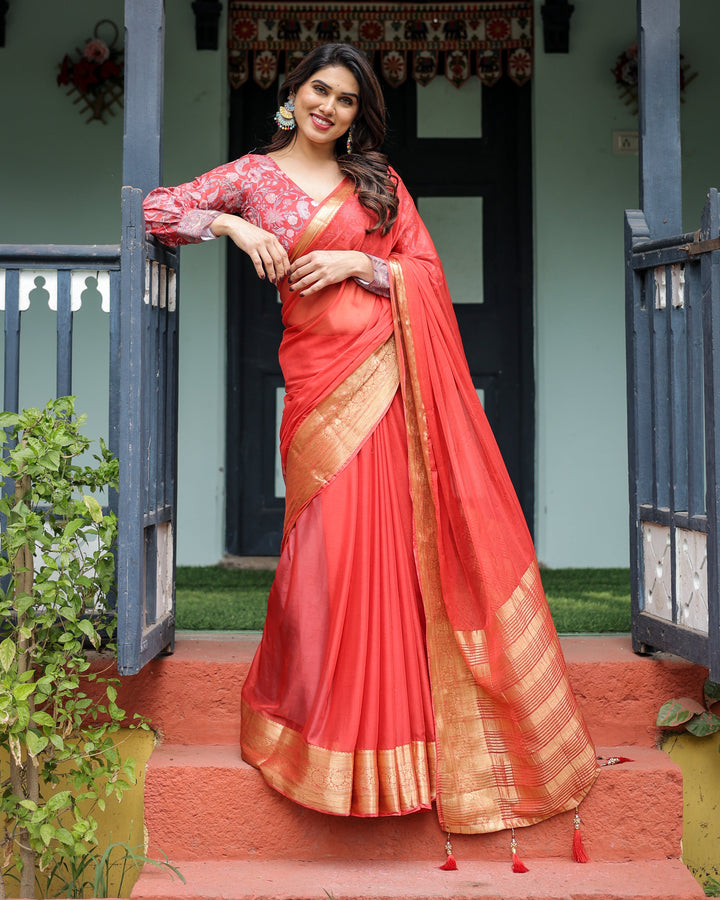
(284, 117)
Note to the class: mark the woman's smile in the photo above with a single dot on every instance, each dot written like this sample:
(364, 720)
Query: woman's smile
(321, 121)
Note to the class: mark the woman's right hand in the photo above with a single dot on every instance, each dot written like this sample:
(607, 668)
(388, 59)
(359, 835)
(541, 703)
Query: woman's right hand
(265, 251)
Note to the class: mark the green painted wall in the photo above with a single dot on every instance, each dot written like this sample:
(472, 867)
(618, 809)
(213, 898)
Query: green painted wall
(581, 190)
(60, 182)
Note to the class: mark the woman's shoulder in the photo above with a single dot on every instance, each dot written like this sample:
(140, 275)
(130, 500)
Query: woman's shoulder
(245, 166)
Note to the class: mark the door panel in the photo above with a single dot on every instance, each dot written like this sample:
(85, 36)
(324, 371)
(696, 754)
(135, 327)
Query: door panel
(474, 189)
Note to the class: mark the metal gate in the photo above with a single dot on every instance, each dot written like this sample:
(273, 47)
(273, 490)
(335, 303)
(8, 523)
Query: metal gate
(145, 399)
(673, 353)
(673, 324)
(147, 406)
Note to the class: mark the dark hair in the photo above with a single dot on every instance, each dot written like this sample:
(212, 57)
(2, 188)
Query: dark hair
(366, 165)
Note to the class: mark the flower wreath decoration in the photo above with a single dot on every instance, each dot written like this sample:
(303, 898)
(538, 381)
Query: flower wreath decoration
(625, 71)
(96, 74)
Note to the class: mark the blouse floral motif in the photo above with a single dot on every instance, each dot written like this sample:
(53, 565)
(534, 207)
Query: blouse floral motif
(253, 187)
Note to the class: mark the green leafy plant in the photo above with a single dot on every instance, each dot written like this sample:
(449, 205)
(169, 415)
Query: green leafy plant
(686, 714)
(57, 570)
(92, 871)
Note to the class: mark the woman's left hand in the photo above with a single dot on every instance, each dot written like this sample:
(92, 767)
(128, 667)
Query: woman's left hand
(321, 268)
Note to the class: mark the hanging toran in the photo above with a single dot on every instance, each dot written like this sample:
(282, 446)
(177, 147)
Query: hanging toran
(418, 40)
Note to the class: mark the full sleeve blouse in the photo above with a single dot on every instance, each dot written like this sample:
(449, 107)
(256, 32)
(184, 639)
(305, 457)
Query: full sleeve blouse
(253, 187)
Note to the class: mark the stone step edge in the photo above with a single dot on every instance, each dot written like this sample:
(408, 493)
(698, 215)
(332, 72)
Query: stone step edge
(618, 691)
(634, 811)
(366, 880)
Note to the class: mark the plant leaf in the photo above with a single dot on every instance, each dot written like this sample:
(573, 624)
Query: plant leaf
(7, 653)
(88, 629)
(93, 508)
(711, 692)
(678, 712)
(23, 691)
(707, 723)
(36, 743)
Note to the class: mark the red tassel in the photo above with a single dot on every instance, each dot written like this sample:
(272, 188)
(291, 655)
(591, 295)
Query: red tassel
(517, 864)
(578, 851)
(449, 865)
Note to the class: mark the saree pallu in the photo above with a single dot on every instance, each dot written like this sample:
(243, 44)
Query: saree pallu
(408, 653)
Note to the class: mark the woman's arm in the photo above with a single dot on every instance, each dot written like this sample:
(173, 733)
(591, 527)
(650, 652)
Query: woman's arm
(321, 268)
(266, 252)
(209, 206)
(184, 214)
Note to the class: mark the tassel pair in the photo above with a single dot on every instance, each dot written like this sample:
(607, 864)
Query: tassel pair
(578, 850)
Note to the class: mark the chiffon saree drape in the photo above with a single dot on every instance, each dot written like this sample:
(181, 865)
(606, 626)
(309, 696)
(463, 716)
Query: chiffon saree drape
(408, 653)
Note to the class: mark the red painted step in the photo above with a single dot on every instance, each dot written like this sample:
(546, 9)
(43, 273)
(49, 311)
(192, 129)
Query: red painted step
(193, 696)
(233, 837)
(205, 802)
(353, 880)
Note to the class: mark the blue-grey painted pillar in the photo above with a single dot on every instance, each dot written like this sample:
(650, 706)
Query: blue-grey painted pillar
(144, 68)
(659, 92)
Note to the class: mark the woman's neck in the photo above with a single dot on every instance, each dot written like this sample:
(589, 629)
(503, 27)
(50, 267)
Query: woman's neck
(304, 151)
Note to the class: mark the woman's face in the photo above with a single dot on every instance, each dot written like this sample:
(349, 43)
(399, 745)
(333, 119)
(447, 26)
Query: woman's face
(326, 104)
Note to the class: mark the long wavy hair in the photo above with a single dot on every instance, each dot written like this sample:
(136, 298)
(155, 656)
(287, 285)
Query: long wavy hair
(365, 165)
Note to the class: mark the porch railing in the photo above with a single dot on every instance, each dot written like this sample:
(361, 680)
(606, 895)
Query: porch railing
(673, 352)
(59, 275)
(141, 397)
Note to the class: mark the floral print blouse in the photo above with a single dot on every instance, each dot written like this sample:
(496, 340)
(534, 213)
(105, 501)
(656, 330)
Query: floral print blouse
(253, 187)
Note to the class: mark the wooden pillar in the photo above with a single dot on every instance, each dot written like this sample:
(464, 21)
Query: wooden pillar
(659, 92)
(144, 76)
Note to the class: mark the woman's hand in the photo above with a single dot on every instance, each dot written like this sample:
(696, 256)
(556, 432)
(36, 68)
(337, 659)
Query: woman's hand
(265, 251)
(321, 268)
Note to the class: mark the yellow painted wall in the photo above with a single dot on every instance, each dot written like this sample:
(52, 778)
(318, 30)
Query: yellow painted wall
(123, 820)
(699, 760)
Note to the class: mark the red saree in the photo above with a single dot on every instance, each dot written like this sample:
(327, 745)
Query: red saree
(408, 653)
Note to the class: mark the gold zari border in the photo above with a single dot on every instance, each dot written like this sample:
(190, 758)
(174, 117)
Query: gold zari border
(360, 783)
(336, 428)
(507, 754)
(322, 218)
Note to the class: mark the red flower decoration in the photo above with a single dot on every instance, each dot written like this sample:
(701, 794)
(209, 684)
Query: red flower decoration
(96, 73)
(498, 29)
(245, 29)
(371, 31)
(84, 75)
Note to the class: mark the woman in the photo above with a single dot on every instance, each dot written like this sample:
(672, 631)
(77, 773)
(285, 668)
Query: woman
(408, 654)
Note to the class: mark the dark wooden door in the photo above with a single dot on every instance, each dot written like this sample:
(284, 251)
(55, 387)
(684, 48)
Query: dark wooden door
(489, 269)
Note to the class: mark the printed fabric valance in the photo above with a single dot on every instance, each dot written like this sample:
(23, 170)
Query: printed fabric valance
(419, 40)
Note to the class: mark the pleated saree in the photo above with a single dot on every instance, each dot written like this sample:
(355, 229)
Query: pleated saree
(408, 655)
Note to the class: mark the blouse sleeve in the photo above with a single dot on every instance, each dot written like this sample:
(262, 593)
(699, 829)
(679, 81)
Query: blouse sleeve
(380, 283)
(184, 214)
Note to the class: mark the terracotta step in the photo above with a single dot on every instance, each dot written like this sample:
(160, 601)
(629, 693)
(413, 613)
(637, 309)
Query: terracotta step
(352, 880)
(193, 696)
(204, 802)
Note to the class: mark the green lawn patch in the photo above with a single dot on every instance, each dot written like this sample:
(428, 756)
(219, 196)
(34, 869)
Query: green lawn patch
(211, 598)
(594, 601)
